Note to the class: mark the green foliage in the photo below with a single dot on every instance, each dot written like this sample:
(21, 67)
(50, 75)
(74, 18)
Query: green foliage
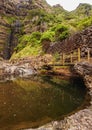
(56, 57)
(84, 23)
(69, 16)
(42, 26)
(36, 35)
(28, 39)
(83, 10)
(27, 51)
(60, 28)
(48, 35)
(59, 13)
(36, 12)
(32, 42)
(61, 32)
(8, 19)
(23, 41)
(63, 35)
(25, 38)
(39, 16)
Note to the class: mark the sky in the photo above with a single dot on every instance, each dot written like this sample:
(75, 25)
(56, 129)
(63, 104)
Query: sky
(68, 4)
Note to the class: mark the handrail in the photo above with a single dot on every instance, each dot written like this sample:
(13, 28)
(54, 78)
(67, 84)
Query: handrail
(75, 56)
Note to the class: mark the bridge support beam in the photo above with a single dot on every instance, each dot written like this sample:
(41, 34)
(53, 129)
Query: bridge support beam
(79, 55)
(71, 57)
(88, 56)
(63, 58)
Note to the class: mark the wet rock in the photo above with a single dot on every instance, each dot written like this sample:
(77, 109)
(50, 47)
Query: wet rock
(13, 69)
(81, 120)
(26, 66)
(85, 70)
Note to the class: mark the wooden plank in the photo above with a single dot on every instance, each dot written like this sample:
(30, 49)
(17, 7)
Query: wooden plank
(79, 57)
(71, 57)
(88, 56)
(63, 58)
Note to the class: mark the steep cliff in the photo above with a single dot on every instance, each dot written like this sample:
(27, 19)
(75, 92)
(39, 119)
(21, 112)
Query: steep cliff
(26, 24)
(12, 14)
(7, 16)
(81, 39)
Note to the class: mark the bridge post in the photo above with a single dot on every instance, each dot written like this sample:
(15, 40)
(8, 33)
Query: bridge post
(71, 57)
(63, 58)
(88, 55)
(79, 55)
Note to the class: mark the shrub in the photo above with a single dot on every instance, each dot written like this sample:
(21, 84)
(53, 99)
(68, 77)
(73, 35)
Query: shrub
(84, 23)
(61, 32)
(63, 35)
(28, 39)
(36, 35)
(49, 35)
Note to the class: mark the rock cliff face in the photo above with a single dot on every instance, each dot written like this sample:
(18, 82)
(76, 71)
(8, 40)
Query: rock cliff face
(36, 15)
(7, 10)
(12, 13)
(85, 70)
(81, 39)
(7, 7)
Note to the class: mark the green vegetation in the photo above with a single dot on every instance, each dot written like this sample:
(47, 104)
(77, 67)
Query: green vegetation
(42, 28)
(9, 19)
(84, 23)
(29, 44)
(40, 17)
(28, 39)
(48, 35)
(82, 11)
(61, 32)
(27, 51)
(56, 57)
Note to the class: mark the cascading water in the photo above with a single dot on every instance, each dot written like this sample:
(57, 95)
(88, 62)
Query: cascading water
(15, 28)
(8, 46)
(12, 39)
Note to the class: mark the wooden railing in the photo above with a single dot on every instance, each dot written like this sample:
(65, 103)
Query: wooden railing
(74, 57)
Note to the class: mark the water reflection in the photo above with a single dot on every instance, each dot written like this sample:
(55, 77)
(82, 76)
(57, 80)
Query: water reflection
(34, 101)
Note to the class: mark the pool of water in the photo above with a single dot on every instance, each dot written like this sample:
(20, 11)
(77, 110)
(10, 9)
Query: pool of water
(37, 100)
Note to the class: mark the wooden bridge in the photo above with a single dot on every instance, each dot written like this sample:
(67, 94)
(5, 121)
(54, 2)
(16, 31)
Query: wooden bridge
(73, 57)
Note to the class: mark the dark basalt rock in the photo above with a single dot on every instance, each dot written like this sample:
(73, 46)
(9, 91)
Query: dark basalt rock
(81, 39)
(85, 70)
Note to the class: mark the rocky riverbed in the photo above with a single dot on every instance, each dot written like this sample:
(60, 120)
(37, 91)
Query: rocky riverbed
(23, 66)
(81, 120)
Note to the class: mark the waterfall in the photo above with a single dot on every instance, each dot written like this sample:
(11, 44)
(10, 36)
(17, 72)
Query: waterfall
(12, 39)
(8, 45)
